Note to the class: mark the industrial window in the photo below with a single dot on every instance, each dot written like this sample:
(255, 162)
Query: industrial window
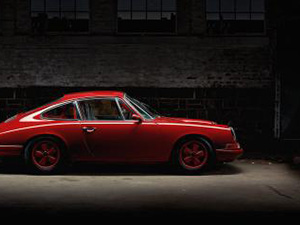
(60, 15)
(147, 16)
(228, 17)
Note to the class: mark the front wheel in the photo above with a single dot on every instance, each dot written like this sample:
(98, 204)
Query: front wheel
(193, 155)
(45, 155)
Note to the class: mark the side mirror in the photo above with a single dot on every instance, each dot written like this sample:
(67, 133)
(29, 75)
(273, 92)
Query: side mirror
(137, 118)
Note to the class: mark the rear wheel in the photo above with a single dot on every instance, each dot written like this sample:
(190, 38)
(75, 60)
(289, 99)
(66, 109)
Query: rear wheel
(45, 155)
(193, 155)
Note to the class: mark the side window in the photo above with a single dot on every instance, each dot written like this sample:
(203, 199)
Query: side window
(126, 111)
(100, 109)
(65, 112)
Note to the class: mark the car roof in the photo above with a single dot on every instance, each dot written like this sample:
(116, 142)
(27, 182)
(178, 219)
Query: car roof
(92, 94)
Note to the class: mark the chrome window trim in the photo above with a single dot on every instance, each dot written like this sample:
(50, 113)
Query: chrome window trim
(31, 115)
(119, 107)
(129, 103)
(77, 100)
(130, 107)
(97, 98)
(78, 110)
(55, 107)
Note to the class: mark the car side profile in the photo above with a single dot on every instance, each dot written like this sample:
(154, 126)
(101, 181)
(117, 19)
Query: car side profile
(111, 127)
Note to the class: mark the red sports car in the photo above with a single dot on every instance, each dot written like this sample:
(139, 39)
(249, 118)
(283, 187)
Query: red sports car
(110, 127)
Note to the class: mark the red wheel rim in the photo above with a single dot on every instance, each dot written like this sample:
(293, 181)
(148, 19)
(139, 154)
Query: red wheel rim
(193, 155)
(45, 154)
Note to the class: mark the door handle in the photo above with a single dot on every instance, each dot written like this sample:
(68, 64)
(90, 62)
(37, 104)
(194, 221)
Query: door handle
(89, 129)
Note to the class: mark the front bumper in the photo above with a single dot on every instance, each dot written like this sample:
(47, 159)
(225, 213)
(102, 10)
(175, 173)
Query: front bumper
(10, 150)
(228, 155)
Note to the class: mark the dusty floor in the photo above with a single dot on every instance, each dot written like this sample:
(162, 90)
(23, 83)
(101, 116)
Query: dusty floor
(246, 189)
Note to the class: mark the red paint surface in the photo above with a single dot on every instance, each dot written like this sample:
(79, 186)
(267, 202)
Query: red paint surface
(114, 141)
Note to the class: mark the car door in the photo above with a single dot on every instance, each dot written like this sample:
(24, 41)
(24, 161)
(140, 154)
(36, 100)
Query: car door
(111, 135)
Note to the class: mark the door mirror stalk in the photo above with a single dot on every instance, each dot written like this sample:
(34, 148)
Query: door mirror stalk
(137, 118)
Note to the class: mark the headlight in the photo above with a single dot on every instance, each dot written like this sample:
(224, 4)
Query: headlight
(233, 133)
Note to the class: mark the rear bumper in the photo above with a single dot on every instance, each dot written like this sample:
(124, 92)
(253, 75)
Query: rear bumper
(228, 155)
(10, 150)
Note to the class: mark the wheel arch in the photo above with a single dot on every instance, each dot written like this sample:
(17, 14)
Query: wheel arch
(186, 136)
(60, 139)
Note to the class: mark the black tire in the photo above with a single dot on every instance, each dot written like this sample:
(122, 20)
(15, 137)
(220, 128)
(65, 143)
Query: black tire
(208, 161)
(49, 166)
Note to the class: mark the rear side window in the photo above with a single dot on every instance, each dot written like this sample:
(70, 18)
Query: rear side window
(100, 109)
(65, 112)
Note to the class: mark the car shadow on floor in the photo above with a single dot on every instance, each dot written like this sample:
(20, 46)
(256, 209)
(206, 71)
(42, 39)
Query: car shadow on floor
(145, 170)
(92, 169)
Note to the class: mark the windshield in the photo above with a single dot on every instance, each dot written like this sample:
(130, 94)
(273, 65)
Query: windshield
(147, 111)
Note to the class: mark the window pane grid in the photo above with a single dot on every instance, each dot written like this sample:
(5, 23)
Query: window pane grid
(60, 10)
(60, 15)
(218, 8)
(143, 11)
(235, 16)
(147, 15)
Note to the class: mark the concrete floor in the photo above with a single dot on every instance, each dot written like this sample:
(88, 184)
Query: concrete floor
(245, 190)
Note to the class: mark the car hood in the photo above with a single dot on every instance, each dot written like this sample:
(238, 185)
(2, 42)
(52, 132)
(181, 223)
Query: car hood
(183, 120)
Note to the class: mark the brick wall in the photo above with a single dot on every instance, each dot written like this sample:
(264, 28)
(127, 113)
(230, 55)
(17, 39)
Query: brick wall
(7, 17)
(189, 62)
(103, 16)
(22, 19)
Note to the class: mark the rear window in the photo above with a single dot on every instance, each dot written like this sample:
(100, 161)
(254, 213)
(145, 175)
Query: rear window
(64, 112)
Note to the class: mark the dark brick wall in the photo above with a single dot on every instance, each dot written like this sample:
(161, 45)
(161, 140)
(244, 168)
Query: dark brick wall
(103, 16)
(7, 12)
(188, 62)
(248, 110)
(1, 13)
(191, 17)
(22, 17)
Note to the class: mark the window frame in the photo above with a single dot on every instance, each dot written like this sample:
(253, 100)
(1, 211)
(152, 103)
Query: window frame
(235, 12)
(60, 11)
(99, 98)
(131, 109)
(126, 33)
(80, 115)
(61, 105)
(136, 106)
